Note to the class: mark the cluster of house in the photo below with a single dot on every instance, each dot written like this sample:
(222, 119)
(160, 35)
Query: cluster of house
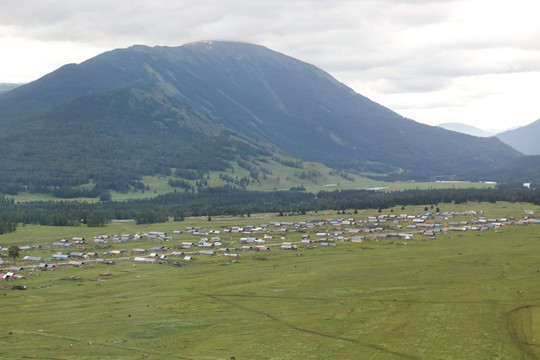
(261, 238)
(153, 235)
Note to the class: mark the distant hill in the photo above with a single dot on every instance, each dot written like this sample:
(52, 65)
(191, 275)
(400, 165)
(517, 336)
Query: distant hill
(199, 107)
(524, 139)
(465, 129)
(4, 87)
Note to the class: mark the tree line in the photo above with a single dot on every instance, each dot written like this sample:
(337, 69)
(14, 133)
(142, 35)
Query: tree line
(227, 200)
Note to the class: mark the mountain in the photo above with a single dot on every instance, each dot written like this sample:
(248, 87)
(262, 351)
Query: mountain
(465, 129)
(7, 87)
(200, 107)
(524, 139)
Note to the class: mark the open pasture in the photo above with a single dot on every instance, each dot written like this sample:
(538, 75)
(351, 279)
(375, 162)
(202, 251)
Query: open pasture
(470, 295)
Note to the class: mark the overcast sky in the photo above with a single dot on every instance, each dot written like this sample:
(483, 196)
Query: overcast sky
(470, 61)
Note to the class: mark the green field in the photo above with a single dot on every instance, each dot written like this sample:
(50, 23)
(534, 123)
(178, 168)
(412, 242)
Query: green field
(313, 177)
(470, 295)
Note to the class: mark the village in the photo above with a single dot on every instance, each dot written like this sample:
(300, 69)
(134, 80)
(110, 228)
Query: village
(183, 247)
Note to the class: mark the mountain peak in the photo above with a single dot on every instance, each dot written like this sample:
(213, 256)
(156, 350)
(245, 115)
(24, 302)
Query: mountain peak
(200, 106)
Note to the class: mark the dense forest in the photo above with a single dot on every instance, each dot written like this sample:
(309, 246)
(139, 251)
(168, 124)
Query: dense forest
(232, 201)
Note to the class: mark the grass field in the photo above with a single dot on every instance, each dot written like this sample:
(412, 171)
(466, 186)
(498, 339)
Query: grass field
(464, 295)
(160, 186)
(314, 177)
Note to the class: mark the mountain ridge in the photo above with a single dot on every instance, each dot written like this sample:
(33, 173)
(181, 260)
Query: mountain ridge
(214, 102)
(466, 129)
(524, 139)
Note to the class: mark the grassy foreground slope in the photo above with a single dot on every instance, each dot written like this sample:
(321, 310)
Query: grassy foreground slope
(461, 296)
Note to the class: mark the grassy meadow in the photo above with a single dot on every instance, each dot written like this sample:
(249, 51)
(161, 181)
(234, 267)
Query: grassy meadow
(314, 177)
(470, 295)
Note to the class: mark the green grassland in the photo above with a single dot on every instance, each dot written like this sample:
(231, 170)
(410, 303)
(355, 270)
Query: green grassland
(470, 295)
(313, 177)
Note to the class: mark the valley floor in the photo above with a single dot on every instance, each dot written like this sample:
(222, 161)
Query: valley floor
(468, 294)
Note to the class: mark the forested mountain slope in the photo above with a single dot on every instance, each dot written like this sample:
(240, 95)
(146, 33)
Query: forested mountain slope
(141, 110)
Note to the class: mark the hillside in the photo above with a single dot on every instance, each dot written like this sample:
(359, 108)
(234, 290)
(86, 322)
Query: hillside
(520, 170)
(199, 107)
(524, 139)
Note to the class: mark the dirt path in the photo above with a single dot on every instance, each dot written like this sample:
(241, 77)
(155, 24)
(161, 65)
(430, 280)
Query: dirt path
(519, 323)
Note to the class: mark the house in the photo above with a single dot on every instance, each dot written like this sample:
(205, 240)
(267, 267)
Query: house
(207, 252)
(61, 244)
(76, 263)
(60, 256)
(33, 258)
(7, 276)
(288, 246)
(44, 266)
(159, 248)
(78, 240)
(76, 254)
(406, 236)
(105, 261)
(305, 243)
(158, 233)
(139, 259)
